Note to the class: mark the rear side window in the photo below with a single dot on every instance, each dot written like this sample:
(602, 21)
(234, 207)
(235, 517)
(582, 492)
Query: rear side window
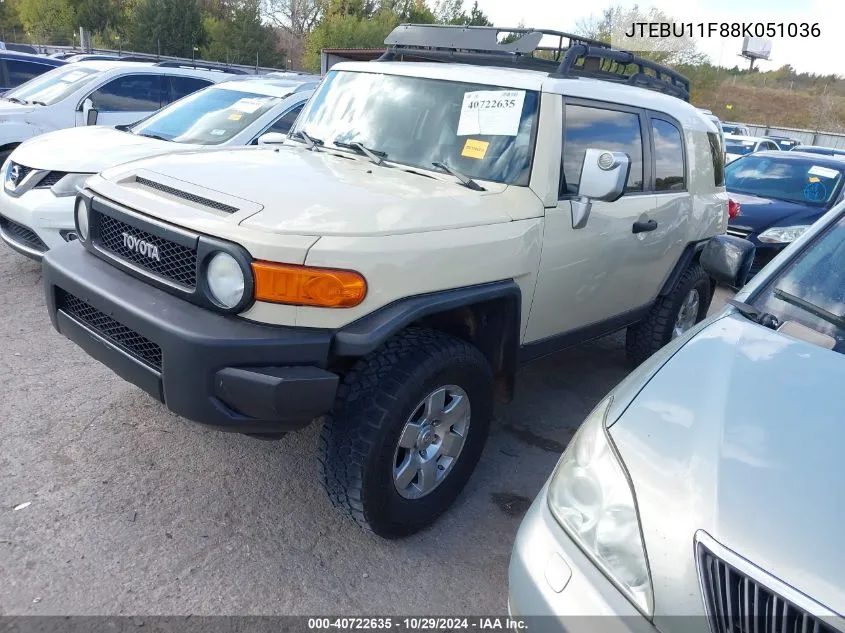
(129, 93)
(669, 166)
(588, 127)
(20, 72)
(183, 86)
(283, 124)
(718, 154)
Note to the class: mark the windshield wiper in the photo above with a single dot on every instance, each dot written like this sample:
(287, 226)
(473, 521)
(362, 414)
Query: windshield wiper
(310, 141)
(15, 100)
(763, 318)
(464, 180)
(41, 103)
(812, 308)
(374, 155)
(155, 136)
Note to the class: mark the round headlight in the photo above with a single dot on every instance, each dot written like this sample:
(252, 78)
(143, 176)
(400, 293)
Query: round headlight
(82, 218)
(225, 279)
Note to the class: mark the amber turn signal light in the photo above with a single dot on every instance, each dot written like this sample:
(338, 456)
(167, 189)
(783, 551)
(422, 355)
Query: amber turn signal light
(308, 286)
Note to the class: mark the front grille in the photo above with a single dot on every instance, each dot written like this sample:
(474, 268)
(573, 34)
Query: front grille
(50, 179)
(123, 337)
(762, 256)
(19, 234)
(175, 262)
(206, 202)
(737, 603)
(738, 232)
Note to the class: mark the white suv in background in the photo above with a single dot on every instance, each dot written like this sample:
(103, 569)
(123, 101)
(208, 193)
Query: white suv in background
(41, 177)
(94, 92)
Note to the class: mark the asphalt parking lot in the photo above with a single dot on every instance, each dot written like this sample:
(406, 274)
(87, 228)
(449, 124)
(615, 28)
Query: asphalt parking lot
(135, 511)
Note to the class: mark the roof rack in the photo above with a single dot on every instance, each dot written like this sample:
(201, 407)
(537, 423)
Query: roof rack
(579, 57)
(203, 66)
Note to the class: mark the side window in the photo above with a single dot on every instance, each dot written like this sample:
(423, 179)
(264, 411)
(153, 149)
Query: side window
(129, 93)
(718, 154)
(285, 122)
(183, 86)
(669, 168)
(588, 127)
(20, 72)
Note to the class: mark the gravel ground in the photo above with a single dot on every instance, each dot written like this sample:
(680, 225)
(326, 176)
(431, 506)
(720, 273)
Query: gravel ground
(132, 510)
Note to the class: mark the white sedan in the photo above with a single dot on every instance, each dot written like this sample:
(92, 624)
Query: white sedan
(737, 146)
(41, 176)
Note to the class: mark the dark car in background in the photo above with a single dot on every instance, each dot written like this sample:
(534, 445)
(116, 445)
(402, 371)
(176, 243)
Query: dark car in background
(780, 195)
(18, 68)
(822, 151)
(784, 142)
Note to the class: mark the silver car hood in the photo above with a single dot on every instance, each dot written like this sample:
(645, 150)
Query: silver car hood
(741, 434)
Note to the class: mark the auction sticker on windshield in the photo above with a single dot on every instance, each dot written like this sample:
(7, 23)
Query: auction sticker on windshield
(73, 76)
(475, 149)
(248, 105)
(824, 172)
(491, 113)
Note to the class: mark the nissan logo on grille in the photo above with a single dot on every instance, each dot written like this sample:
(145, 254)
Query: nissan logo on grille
(147, 249)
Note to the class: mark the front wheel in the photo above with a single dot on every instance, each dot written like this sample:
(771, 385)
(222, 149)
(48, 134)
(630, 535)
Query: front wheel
(671, 316)
(407, 430)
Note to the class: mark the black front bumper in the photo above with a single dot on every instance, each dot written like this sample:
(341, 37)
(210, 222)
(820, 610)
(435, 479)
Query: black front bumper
(207, 367)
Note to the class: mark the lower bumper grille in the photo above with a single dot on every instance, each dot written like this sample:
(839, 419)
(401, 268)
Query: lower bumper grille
(738, 232)
(21, 235)
(120, 335)
(738, 603)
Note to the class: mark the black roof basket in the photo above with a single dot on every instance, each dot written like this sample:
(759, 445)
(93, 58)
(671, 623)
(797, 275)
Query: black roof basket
(576, 57)
(203, 66)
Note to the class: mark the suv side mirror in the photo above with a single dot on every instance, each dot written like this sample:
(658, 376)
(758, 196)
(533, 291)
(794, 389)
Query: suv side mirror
(89, 112)
(272, 138)
(603, 177)
(728, 259)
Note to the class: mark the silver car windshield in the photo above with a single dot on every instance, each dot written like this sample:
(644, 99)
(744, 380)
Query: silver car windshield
(811, 289)
(208, 117)
(484, 132)
(52, 86)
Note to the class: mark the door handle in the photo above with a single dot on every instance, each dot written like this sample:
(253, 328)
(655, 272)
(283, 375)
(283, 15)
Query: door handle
(644, 227)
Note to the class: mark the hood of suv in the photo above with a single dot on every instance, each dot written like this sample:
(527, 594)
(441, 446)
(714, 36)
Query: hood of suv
(740, 434)
(9, 108)
(89, 149)
(330, 193)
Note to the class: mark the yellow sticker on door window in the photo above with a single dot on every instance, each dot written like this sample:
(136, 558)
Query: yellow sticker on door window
(814, 179)
(475, 149)
(235, 117)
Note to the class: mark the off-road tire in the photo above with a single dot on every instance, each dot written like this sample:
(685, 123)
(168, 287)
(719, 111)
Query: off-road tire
(646, 337)
(374, 401)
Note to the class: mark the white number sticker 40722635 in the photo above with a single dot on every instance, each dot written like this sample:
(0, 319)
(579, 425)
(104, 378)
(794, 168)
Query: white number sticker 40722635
(491, 112)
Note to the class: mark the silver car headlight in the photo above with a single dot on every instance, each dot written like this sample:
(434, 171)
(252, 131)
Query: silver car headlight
(782, 234)
(225, 279)
(69, 185)
(591, 497)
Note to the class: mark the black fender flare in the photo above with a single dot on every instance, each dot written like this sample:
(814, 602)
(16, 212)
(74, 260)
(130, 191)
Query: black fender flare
(498, 339)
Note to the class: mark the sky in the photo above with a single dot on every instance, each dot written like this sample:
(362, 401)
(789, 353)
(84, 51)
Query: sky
(819, 55)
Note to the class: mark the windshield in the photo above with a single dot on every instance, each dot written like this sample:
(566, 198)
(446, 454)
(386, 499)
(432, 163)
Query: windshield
(733, 129)
(785, 144)
(208, 117)
(52, 86)
(739, 147)
(484, 132)
(815, 277)
(798, 181)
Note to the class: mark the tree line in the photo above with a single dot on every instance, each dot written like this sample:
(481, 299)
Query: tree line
(277, 33)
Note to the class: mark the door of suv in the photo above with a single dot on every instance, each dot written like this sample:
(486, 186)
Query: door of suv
(591, 278)
(126, 99)
(659, 250)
